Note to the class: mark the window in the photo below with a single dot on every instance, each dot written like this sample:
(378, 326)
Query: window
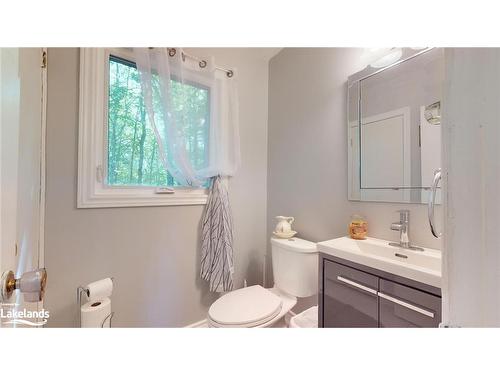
(119, 163)
(132, 150)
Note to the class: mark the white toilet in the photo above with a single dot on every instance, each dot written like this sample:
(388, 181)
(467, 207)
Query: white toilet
(295, 269)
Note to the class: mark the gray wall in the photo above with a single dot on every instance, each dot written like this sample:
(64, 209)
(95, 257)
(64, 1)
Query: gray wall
(152, 251)
(307, 154)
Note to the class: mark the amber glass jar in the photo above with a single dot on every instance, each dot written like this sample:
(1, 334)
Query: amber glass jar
(358, 227)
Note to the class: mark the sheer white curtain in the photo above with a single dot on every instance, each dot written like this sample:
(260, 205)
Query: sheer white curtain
(160, 69)
(167, 77)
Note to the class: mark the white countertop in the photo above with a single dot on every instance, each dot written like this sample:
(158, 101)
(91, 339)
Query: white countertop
(422, 266)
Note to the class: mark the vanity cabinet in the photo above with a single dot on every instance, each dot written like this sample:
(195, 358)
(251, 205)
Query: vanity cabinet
(353, 295)
(350, 297)
(401, 306)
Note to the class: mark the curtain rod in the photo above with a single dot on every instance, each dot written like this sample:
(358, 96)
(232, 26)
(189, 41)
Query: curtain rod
(201, 63)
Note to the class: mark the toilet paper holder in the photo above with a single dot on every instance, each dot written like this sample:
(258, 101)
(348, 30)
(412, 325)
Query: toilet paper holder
(79, 291)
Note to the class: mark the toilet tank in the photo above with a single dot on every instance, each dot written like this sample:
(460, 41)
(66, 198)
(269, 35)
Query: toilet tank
(295, 266)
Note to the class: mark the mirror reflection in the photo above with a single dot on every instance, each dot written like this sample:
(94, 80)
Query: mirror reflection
(395, 129)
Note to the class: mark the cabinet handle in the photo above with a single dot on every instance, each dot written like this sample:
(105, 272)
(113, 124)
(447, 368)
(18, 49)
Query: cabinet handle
(356, 285)
(407, 305)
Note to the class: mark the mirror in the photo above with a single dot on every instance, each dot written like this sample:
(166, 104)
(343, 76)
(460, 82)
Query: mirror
(394, 128)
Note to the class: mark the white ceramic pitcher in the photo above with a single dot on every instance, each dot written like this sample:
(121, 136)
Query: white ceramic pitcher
(284, 224)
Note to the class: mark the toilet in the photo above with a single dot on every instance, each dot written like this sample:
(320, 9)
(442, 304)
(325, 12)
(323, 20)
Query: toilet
(295, 269)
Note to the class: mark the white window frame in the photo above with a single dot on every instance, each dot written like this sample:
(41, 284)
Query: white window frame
(93, 192)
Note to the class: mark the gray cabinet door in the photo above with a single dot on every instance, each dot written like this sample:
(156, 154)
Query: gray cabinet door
(401, 306)
(349, 297)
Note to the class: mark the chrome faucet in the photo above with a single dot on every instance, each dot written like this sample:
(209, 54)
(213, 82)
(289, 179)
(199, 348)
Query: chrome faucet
(403, 226)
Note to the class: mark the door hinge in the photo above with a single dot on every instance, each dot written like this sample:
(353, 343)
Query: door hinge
(44, 59)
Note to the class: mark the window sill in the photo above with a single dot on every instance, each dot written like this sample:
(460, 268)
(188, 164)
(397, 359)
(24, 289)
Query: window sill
(131, 197)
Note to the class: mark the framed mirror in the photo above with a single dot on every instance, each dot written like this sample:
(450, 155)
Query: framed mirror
(394, 128)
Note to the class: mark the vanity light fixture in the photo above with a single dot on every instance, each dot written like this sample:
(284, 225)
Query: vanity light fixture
(386, 56)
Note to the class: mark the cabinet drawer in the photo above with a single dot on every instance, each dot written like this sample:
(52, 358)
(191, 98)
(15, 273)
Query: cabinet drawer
(401, 306)
(349, 297)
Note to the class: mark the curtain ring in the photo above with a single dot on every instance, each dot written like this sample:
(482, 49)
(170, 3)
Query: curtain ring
(230, 73)
(202, 64)
(172, 52)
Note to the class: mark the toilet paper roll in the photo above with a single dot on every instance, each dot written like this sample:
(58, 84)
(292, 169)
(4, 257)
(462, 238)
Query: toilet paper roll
(100, 289)
(96, 314)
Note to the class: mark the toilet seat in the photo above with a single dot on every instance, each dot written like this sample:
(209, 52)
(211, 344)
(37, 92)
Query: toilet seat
(248, 307)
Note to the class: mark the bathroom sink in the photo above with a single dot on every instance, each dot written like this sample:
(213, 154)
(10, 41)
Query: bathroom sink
(423, 266)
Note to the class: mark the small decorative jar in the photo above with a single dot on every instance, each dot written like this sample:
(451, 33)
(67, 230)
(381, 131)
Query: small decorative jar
(358, 227)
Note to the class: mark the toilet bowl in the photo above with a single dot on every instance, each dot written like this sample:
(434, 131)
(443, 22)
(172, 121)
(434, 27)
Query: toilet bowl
(295, 268)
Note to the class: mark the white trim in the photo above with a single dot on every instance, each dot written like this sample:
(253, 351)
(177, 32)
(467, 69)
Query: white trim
(405, 112)
(1, 227)
(201, 324)
(92, 190)
(43, 140)
(354, 191)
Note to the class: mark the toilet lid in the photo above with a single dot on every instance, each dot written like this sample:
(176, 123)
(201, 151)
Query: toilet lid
(253, 305)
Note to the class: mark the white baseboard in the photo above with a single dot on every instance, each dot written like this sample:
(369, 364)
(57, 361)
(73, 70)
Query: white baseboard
(201, 324)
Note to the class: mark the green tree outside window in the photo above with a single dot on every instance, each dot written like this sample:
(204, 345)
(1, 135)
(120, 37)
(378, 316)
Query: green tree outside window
(133, 158)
